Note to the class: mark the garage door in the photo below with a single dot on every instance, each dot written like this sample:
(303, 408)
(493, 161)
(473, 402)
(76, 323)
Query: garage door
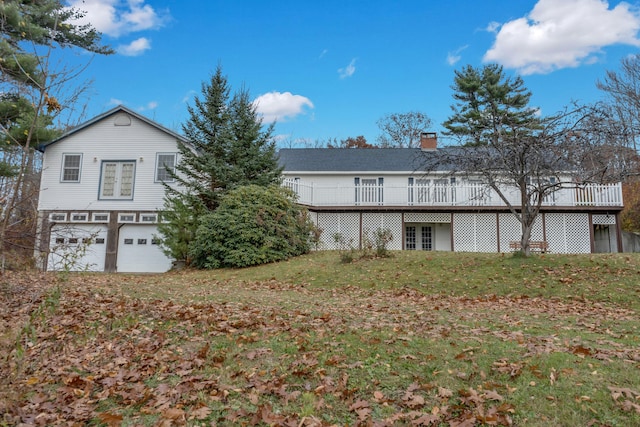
(77, 247)
(138, 251)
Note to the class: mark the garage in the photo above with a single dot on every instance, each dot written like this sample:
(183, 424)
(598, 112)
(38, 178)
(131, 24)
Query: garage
(77, 247)
(139, 252)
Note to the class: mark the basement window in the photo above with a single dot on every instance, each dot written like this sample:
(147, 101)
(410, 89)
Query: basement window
(57, 217)
(148, 218)
(100, 217)
(127, 217)
(79, 217)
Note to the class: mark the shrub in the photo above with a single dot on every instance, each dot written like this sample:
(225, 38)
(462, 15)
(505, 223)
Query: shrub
(345, 249)
(381, 239)
(252, 225)
(374, 244)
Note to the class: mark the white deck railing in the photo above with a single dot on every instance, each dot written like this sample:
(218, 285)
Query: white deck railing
(445, 195)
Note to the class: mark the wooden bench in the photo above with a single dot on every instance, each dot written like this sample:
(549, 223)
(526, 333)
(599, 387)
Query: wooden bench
(534, 246)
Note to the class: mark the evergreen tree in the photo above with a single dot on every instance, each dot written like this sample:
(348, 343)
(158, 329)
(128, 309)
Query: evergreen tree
(32, 85)
(42, 23)
(489, 106)
(228, 148)
(504, 142)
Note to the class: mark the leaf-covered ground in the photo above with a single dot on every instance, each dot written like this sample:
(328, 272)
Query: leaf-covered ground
(190, 349)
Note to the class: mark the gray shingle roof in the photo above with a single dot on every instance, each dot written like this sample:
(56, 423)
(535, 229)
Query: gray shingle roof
(352, 159)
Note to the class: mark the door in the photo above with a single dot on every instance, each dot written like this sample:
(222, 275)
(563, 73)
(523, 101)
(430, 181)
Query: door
(426, 240)
(139, 252)
(77, 247)
(418, 237)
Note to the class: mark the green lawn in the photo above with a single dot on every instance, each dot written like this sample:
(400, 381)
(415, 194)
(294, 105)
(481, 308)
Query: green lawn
(442, 339)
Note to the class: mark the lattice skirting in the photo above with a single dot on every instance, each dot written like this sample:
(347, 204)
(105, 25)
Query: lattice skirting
(511, 230)
(475, 233)
(472, 232)
(568, 233)
(338, 227)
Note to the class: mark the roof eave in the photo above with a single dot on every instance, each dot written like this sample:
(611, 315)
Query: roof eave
(106, 114)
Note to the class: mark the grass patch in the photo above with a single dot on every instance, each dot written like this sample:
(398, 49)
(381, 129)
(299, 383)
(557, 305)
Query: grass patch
(423, 338)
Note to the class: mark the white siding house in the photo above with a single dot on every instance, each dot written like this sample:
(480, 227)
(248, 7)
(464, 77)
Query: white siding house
(101, 190)
(353, 192)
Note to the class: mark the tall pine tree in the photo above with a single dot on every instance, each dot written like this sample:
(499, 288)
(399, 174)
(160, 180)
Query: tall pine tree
(228, 148)
(489, 106)
(34, 90)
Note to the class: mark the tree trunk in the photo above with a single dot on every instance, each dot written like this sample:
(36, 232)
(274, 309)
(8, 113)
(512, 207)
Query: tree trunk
(526, 238)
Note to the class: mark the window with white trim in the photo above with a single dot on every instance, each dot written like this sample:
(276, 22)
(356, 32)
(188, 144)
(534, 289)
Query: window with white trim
(71, 164)
(126, 217)
(101, 217)
(117, 179)
(165, 165)
(57, 217)
(79, 217)
(148, 218)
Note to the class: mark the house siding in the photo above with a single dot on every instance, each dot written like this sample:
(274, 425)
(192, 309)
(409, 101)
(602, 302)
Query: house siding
(100, 142)
(118, 135)
(450, 212)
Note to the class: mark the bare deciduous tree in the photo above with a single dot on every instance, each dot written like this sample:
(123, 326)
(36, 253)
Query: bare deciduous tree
(623, 90)
(403, 130)
(509, 148)
(351, 142)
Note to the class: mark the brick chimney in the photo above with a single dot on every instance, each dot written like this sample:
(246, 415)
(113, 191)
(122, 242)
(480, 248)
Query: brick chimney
(428, 140)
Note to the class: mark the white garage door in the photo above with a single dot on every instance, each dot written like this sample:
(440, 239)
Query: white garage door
(77, 247)
(138, 251)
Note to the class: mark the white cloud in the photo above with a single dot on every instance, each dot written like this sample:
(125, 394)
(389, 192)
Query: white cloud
(323, 53)
(348, 70)
(118, 17)
(152, 105)
(493, 27)
(280, 106)
(188, 96)
(135, 48)
(115, 101)
(454, 57)
(561, 34)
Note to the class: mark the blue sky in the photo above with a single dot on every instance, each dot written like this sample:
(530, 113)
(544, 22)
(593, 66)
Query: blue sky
(332, 68)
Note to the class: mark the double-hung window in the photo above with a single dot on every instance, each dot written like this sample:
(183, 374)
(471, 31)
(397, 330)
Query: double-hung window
(71, 164)
(117, 179)
(165, 166)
